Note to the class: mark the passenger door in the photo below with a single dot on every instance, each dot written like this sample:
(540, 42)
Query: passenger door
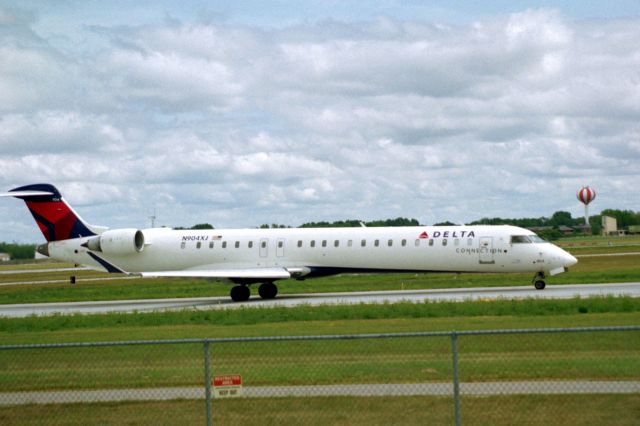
(264, 247)
(280, 247)
(486, 251)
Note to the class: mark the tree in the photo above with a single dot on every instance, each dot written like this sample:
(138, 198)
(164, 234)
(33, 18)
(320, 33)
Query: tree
(198, 226)
(561, 218)
(202, 226)
(18, 251)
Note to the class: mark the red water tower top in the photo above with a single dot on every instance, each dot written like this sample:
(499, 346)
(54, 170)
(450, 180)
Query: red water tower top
(586, 195)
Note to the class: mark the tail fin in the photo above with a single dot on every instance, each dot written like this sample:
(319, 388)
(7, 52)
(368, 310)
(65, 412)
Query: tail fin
(55, 218)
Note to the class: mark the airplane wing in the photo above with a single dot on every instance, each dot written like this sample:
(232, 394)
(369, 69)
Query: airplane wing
(246, 273)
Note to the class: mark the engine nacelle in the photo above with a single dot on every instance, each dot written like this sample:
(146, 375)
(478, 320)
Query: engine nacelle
(117, 241)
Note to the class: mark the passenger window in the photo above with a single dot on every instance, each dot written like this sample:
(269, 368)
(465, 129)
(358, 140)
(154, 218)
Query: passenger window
(417, 243)
(313, 243)
(456, 242)
(263, 244)
(224, 244)
(469, 241)
(183, 245)
(363, 243)
(237, 244)
(336, 243)
(324, 243)
(376, 243)
(390, 243)
(198, 244)
(280, 244)
(350, 243)
(299, 243)
(444, 241)
(250, 244)
(210, 244)
(431, 241)
(404, 243)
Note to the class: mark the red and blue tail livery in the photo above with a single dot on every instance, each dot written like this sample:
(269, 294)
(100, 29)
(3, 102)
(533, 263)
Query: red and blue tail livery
(55, 218)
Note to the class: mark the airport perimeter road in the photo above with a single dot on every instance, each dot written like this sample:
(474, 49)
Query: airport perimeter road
(399, 389)
(315, 299)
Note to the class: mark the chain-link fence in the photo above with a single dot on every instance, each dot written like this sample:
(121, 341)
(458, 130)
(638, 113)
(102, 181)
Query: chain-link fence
(537, 376)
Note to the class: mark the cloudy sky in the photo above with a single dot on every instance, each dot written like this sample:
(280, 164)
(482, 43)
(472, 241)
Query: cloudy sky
(294, 111)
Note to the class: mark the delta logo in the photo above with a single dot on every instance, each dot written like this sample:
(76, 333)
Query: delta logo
(448, 234)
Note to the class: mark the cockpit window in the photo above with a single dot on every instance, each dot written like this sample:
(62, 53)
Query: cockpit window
(520, 239)
(526, 239)
(534, 238)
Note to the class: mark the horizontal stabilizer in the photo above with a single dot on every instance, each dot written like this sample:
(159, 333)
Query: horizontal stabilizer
(248, 273)
(25, 194)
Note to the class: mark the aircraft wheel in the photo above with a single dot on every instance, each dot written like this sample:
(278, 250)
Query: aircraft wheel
(240, 293)
(540, 285)
(268, 290)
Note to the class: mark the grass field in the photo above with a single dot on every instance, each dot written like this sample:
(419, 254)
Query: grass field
(531, 357)
(505, 410)
(588, 356)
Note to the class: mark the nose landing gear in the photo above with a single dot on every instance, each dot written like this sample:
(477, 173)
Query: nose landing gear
(538, 281)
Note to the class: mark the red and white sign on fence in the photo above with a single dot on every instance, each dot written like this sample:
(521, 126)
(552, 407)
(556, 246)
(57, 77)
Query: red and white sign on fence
(227, 386)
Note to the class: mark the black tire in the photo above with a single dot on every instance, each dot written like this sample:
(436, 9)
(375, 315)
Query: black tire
(268, 290)
(240, 293)
(540, 285)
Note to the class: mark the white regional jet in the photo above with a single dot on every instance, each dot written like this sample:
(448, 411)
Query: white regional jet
(252, 256)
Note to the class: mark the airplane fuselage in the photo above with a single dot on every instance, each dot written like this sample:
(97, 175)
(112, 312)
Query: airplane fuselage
(326, 251)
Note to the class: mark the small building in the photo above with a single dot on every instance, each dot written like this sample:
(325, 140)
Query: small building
(609, 226)
(584, 229)
(5, 257)
(565, 230)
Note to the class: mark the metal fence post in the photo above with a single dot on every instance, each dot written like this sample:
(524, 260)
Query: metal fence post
(456, 378)
(207, 382)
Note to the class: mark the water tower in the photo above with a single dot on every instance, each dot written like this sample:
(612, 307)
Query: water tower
(586, 195)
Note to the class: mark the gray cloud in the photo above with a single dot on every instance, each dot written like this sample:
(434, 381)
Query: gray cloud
(239, 125)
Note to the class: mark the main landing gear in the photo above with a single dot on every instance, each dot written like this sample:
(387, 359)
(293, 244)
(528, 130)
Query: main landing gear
(538, 281)
(241, 293)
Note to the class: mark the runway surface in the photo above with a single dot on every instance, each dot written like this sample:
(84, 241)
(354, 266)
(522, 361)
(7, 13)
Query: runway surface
(395, 389)
(315, 299)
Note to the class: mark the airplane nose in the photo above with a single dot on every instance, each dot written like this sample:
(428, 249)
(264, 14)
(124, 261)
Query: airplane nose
(569, 260)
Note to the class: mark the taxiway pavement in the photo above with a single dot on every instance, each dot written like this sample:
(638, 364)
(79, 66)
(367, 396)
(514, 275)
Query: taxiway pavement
(314, 299)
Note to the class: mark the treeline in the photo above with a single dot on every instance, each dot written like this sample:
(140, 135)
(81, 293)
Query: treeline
(559, 218)
(399, 221)
(624, 218)
(18, 251)
(198, 226)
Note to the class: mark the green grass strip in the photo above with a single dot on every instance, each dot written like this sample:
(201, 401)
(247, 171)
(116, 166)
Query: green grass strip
(260, 315)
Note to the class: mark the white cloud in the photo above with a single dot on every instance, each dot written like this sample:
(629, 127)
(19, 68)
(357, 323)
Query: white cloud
(239, 125)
